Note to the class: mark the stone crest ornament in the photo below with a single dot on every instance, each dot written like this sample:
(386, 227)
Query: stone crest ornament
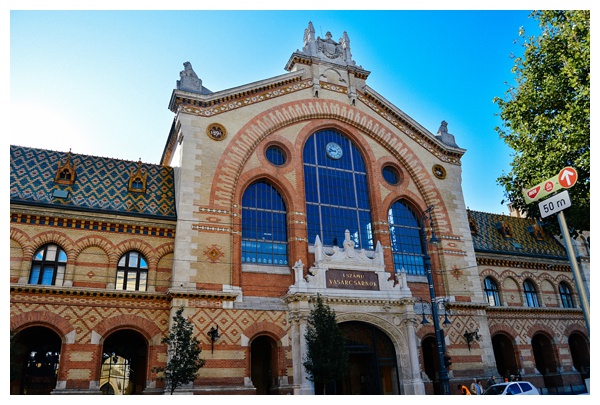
(216, 131)
(439, 171)
(327, 48)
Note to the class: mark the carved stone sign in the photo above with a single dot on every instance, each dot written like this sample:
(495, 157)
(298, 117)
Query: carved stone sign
(352, 280)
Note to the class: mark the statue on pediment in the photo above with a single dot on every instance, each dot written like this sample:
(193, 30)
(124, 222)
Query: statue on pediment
(327, 47)
(188, 80)
(446, 137)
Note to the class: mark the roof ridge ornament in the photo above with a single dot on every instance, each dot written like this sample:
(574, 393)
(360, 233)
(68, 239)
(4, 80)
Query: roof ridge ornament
(189, 80)
(328, 49)
(444, 136)
(65, 173)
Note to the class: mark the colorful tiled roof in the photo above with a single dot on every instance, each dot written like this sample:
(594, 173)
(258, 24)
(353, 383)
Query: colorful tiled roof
(521, 240)
(100, 184)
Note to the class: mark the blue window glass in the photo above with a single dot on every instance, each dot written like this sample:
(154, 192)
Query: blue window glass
(491, 292)
(390, 175)
(132, 272)
(336, 191)
(566, 297)
(275, 155)
(48, 266)
(405, 237)
(531, 297)
(264, 227)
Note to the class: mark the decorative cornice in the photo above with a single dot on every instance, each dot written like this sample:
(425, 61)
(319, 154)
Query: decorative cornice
(295, 297)
(535, 311)
(217, 105)
(486, 261)
(60, 221)
(416, 134)
(137, 295)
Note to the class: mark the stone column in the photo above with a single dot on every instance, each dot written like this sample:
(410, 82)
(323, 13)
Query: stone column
(302, 385)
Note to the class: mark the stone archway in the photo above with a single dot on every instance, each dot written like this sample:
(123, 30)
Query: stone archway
(373, 368)
(34, 360)
(505, 355)
(545, 360)
(263, 364)
(580, 354)
(124, 363)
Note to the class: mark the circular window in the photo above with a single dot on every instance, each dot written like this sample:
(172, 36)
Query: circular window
(439, 171)
(391, 175)
(275, 155)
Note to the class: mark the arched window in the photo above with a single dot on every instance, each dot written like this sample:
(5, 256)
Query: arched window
(566, 296)
(337, 196)
(491, 292)
(264, 226)
(531, 296)
(132, 272)
(48, 266)
(405, 235)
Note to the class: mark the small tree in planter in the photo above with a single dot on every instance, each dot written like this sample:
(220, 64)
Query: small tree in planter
(326, 358)
(183, 353)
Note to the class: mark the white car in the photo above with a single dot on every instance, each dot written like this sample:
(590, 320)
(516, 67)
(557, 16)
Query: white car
(512, 388)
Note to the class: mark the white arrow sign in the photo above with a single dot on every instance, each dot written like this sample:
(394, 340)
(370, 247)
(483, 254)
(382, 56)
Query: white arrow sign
(566, 177)
(555, 204)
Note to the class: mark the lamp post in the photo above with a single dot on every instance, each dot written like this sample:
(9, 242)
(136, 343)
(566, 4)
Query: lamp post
(439, 333)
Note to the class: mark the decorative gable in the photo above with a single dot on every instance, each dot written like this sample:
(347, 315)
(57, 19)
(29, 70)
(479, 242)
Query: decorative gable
(504, 228)
(537, 231)
(137, 179)
(472, 223)
(65, 173)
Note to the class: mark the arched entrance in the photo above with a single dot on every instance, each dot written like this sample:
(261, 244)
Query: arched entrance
(372, 361)
(580, 354)
(34, 359)
(505, 355)
(431, 361)
(263, 364)
(124, 363)
(545, 361)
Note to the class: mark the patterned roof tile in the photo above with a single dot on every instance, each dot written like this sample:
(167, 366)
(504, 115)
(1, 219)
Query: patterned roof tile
(101, 184)
(521, 240)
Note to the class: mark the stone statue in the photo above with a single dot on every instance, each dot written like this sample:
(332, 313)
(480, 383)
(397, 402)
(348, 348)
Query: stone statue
(444, 136)
(188, 80)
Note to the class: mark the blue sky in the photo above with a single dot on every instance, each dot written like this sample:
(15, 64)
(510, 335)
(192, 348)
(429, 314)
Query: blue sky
(99, 82)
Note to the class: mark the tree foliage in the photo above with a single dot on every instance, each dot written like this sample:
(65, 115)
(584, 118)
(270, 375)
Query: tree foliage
(546, 114)
(183, 353)
(326, 358)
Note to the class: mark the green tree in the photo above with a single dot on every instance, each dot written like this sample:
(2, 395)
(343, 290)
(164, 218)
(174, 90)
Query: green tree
(546, 114)
(183, 353)
(326, 358)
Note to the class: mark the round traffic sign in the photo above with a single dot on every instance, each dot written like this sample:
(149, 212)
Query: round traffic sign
(567, 177)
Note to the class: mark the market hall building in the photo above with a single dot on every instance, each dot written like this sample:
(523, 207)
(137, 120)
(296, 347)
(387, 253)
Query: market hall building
(267, 195)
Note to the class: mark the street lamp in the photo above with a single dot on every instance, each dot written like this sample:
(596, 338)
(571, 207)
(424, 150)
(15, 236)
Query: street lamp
(439, 332)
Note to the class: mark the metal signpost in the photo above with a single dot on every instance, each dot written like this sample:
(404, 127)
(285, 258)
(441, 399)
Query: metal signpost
(556, 204)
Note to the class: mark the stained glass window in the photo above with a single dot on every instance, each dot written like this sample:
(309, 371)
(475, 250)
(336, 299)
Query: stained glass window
(337, 197)
(264, 228)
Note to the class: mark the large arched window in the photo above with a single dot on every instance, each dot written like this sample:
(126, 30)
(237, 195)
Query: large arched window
(566, 296)
(48, 266)
(264, 226)
(405, 236)
(531, 296)
(337, 196)
(491, 292)
(132, 272)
